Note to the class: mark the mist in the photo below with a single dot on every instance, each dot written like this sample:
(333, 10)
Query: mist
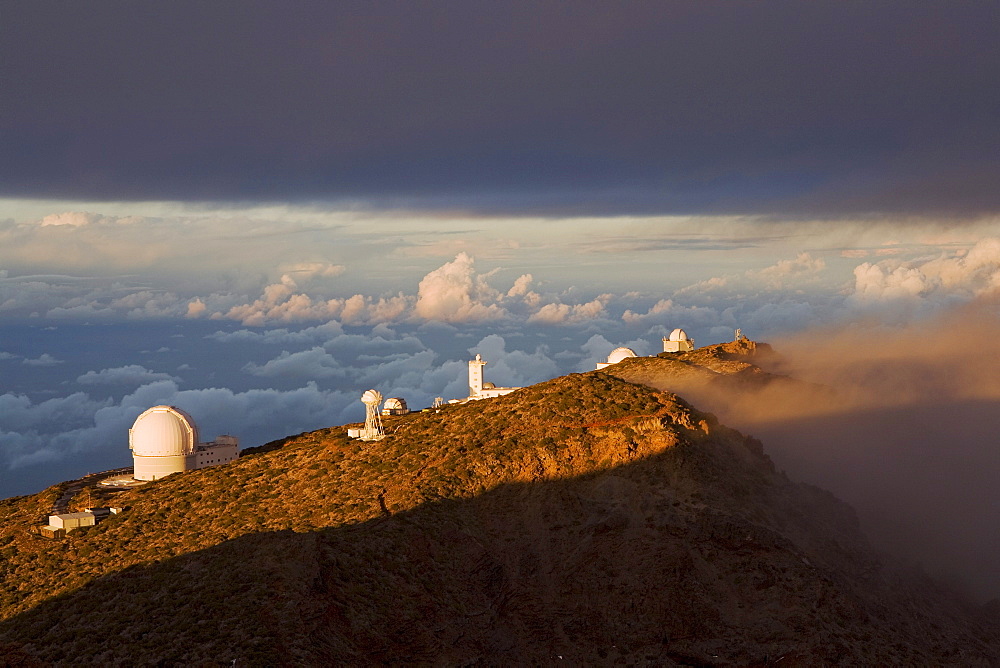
(901, 423)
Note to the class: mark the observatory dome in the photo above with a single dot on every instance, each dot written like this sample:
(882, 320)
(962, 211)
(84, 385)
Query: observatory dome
(394, 404)
(678, 335)
(618, 354)
(163, 431)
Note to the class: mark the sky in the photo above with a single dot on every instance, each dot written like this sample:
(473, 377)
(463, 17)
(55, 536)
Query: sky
(256, 212)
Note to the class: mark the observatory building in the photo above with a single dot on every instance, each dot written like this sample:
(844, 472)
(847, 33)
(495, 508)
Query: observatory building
(480, 390)
(395, 406)
(164, 440)
(677, 342)
(616, 356)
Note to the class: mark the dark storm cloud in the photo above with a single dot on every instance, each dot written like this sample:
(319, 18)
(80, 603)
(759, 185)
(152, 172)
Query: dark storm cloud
(770, 107)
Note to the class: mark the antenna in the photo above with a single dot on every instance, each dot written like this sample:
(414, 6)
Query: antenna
(373, 421)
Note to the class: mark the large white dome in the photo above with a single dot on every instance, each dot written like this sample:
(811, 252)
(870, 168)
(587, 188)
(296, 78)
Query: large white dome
(163, 431)
(678, 335)
(618, 354)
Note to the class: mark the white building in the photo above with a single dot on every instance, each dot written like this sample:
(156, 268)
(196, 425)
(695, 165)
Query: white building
(164, 440)
(482, 390)
(677, 342)
(395, 406)
(60, 525)
(70, 521)
(223, 449)
(616, 356)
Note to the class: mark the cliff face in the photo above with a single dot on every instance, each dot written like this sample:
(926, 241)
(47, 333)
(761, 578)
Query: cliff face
(585, 518)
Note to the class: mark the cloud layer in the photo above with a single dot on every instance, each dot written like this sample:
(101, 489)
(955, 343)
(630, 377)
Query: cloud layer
(935, 267)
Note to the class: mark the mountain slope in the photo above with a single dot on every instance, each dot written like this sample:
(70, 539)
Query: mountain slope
(585, 517)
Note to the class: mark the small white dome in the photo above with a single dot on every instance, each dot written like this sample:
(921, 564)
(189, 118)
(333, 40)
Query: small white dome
(618, 354)
(163, 431)
(394, 404)
(678, 335)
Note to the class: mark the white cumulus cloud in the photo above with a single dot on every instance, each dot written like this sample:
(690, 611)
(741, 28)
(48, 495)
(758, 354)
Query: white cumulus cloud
(454, 293)
(312, 363)
(132, 374)
(44, 359)
(71, 218)
(560, 314)
(929, 283)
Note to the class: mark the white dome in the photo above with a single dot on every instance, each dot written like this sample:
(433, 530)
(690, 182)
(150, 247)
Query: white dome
(618, 354)
(371, 398)
(678, 335)
(163, 431)
(395, 404)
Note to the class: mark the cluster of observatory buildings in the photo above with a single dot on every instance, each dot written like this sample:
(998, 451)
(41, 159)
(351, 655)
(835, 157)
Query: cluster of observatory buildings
(677, 342)
(165, 439)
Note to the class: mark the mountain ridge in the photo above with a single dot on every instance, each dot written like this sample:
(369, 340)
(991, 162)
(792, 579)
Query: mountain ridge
(585, 517)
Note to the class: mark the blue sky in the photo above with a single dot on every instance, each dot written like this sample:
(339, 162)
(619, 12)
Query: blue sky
(256, 213)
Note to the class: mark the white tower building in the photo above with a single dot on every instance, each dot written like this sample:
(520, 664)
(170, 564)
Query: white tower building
(476, 375)
(677, 342)
(482, 390)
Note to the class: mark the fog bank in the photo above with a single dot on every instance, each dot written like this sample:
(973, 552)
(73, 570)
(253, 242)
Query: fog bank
(901, 423)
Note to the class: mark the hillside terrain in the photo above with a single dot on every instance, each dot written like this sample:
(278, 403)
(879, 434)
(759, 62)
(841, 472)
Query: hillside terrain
(586, 518)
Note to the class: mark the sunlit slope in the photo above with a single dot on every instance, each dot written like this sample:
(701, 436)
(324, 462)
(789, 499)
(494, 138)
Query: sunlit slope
(585, 517)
